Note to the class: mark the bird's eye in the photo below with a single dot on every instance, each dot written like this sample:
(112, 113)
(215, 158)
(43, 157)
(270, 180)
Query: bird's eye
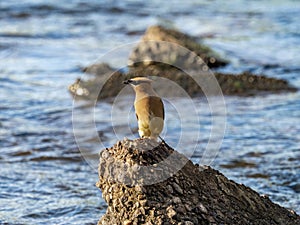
(128, 82)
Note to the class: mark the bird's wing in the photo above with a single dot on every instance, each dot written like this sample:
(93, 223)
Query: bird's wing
(142, 109)
(150, 106)
(156, 107)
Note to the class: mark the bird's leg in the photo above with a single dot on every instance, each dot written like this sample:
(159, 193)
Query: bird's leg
(163, 141)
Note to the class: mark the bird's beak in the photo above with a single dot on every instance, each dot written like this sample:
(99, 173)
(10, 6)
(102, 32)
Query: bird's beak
(127, 81)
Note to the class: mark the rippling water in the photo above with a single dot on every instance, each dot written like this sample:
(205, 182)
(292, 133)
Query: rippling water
(44, 178)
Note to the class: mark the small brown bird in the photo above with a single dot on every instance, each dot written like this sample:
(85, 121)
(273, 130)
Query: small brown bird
(149, 108)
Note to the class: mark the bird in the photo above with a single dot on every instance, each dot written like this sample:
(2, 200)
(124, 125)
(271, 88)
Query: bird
(149, 108)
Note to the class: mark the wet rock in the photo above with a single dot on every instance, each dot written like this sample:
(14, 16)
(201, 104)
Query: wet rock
(104, 84)
(154, 46)
(244, 84)
(99, 69)
(170, 54)
(250, 84)
(142, 195)
(109, 83)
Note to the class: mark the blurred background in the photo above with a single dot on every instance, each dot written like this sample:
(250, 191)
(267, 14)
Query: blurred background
(43, 177)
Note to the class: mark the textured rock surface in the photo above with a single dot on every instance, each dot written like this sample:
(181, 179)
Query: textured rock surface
(156, 55)
(155, 41)
(176, 191)
(110, 82)
(231, 84)
(106, 83)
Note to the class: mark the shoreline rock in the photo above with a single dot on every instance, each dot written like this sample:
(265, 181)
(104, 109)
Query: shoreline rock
(157, 41)
(181, 193)
(111, 80)
(171, 54)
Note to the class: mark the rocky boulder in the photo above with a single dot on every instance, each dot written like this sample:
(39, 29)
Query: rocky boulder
(108, 82)
(156, 42)
(145, 182)
(170, 54)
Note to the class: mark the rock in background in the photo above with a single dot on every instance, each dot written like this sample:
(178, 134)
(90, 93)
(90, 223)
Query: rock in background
(170, 54)
(156, 42)
(108, 84)
(184, 194)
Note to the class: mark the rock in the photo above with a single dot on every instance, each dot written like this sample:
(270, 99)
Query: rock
(142, 194)
(171, 212)
(127, 222)
(102, 85)
(99, 69)
(244, 84)
(155, 43)
(173, 55)
(250, 84)
(110, 82)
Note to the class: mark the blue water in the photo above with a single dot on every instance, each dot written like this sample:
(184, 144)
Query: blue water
(45, 178)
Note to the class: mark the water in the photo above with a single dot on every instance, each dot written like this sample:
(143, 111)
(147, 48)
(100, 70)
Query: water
(45, 179)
